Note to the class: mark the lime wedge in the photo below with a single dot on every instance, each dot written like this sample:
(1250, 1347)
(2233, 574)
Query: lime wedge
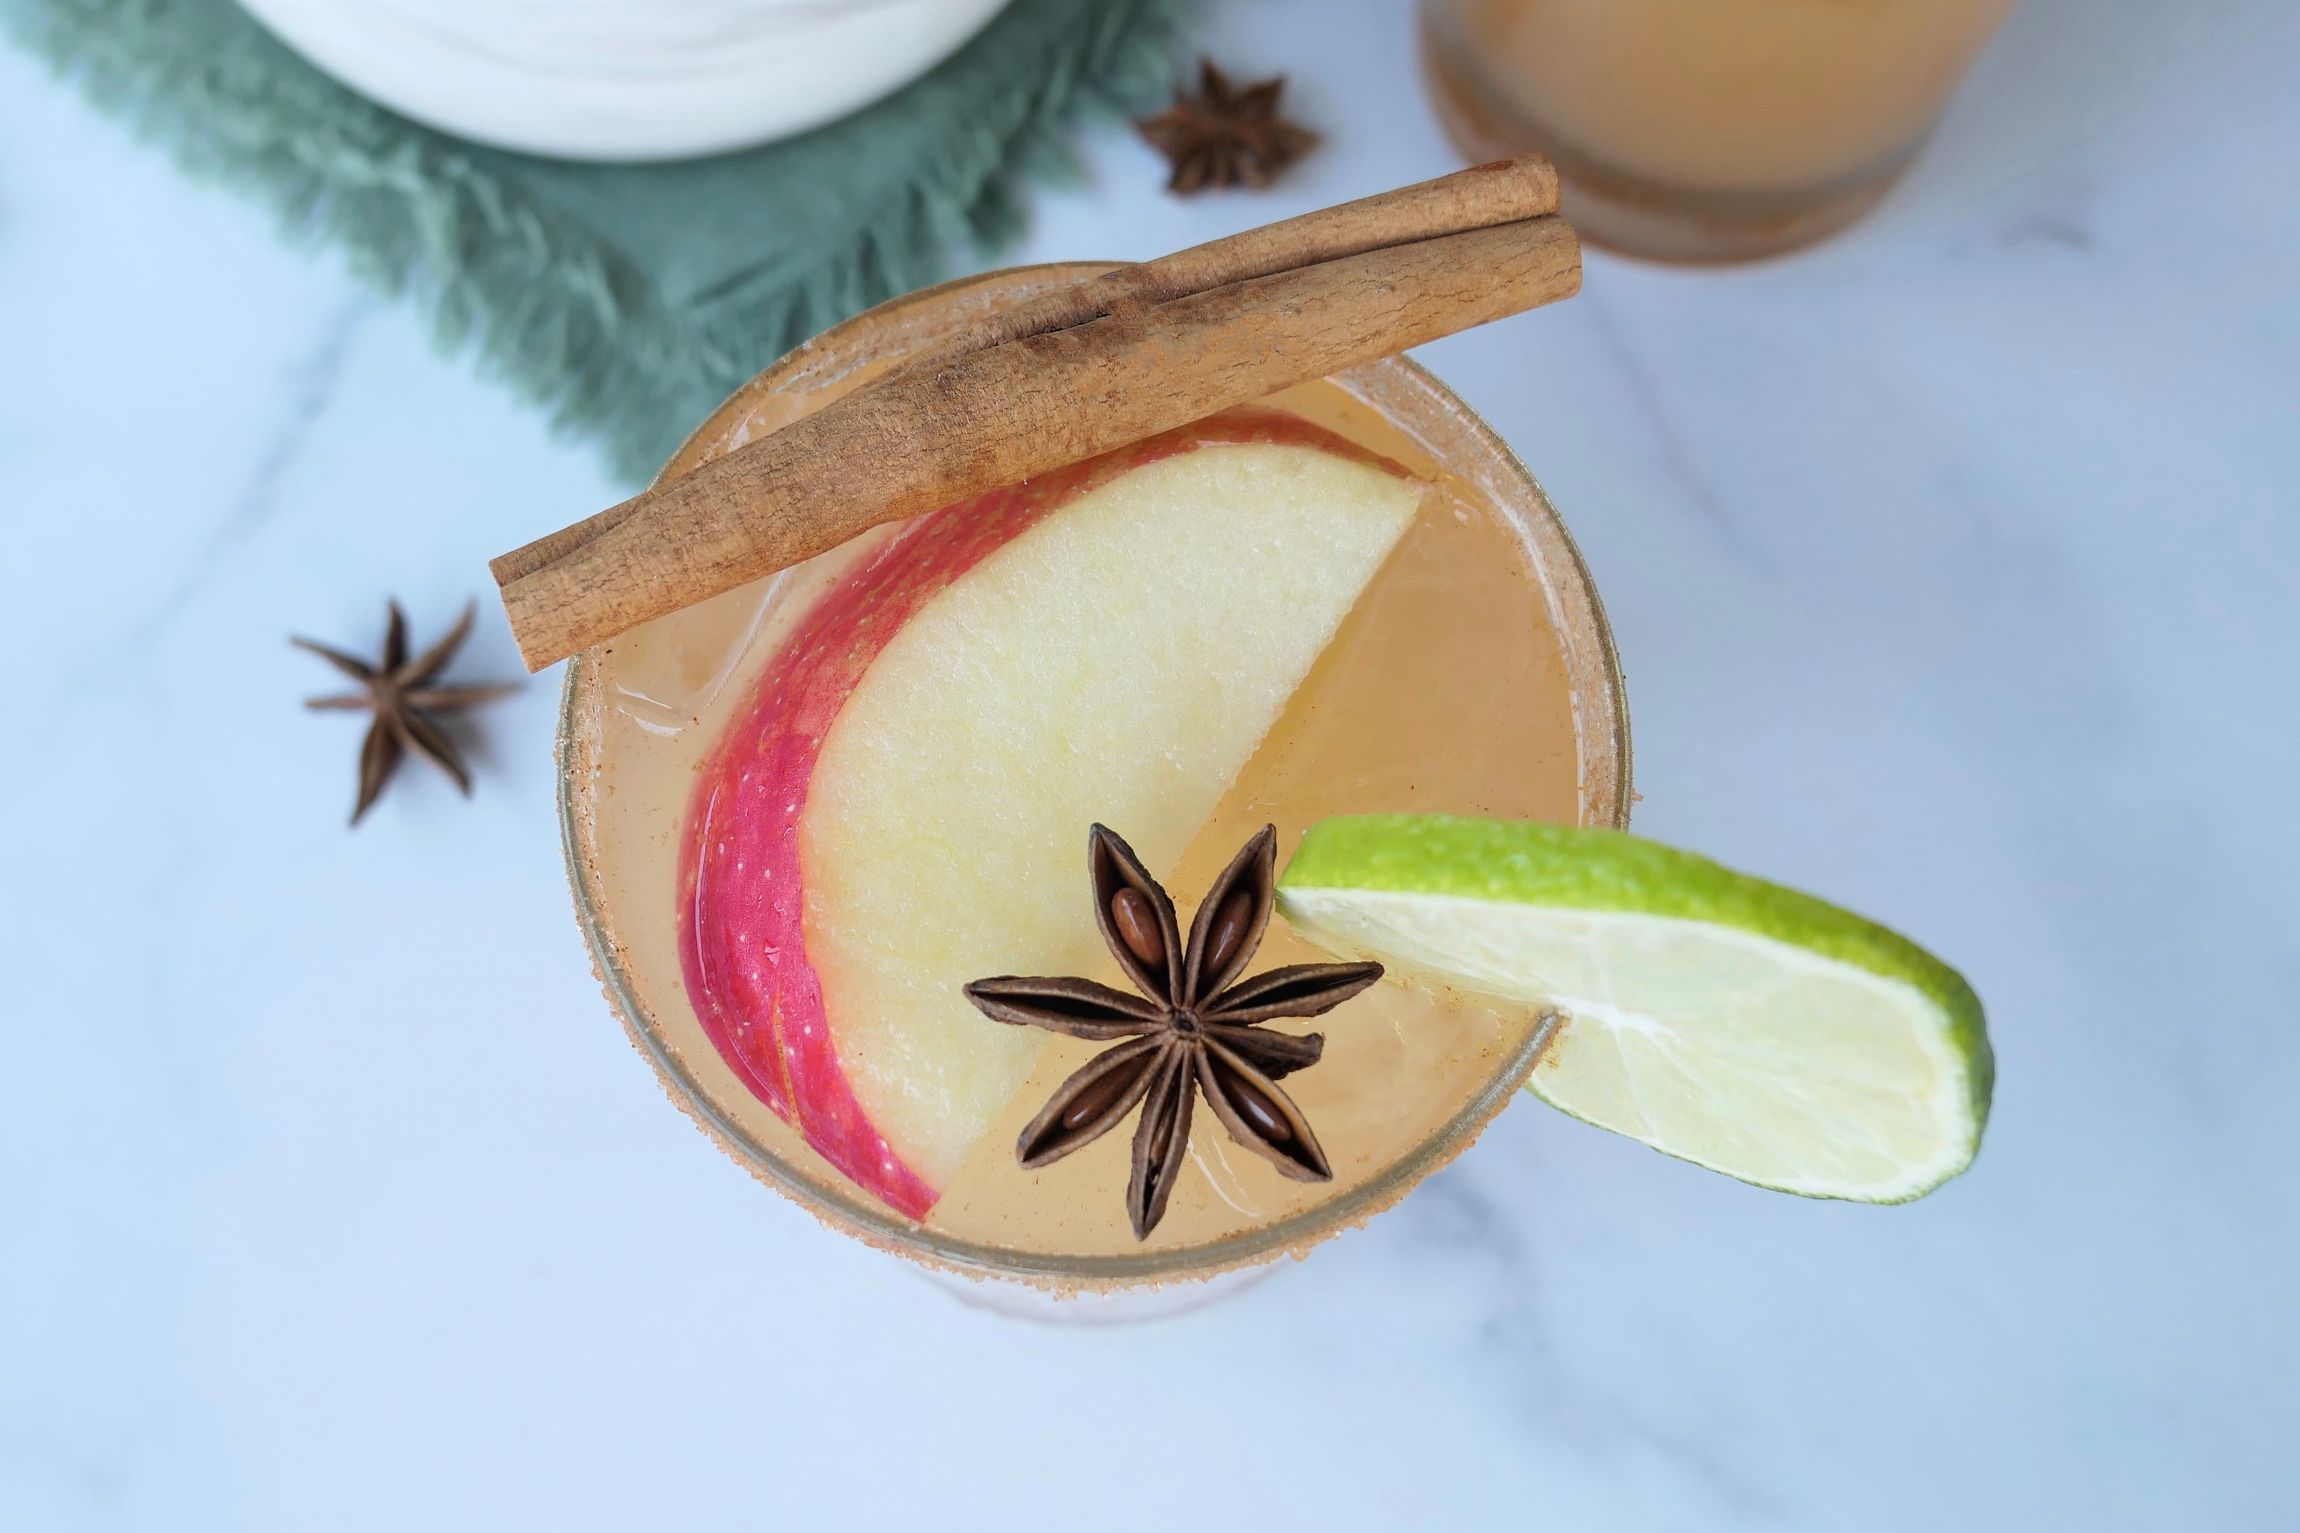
(1731, 1022)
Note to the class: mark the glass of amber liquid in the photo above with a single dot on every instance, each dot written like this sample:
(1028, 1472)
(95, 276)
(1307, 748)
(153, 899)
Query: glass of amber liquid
(1704, 130)
(1472, 673)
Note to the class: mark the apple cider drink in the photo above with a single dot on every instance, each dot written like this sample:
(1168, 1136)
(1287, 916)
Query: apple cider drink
(1704, 130)
(874, 855)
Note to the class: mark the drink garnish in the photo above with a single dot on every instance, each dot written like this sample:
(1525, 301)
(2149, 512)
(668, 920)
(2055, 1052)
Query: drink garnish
(1223, 135)
(403, 696)
(1716, 1017)
(1152, 347)
(1192, 1031)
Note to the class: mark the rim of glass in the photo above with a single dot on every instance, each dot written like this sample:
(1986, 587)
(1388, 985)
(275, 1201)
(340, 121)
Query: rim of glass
(1575, 611)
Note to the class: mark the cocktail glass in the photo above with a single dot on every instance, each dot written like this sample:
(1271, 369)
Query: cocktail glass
(1704, 130)
(1453, 703)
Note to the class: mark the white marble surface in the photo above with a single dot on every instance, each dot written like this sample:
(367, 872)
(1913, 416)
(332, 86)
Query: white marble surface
(1954, 569)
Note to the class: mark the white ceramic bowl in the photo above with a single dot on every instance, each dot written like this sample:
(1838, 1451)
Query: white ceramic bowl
(624, 79)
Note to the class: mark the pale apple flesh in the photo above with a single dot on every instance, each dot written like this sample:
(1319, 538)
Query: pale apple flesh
(902, 806)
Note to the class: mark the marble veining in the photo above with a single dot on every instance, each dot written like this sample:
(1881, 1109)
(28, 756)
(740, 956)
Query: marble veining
(307, 389)
(1952, 565)
(1683, 465)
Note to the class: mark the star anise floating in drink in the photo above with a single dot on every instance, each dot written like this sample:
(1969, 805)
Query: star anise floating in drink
(405, 698)
(1224, 135)
(1195, 1029)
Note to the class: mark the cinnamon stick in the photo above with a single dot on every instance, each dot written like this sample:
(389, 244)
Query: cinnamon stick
(1504, 191)
(1478, 198)
(1116, 359)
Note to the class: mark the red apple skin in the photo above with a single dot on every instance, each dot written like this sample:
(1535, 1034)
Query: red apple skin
(742, 888)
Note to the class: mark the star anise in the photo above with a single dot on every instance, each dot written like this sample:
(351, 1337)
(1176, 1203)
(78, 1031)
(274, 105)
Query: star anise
(1224, 135)
(1191, 1032)
(404, 699)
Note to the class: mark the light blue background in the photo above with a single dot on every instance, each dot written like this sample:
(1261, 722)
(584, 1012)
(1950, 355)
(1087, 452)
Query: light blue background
(1954, 569)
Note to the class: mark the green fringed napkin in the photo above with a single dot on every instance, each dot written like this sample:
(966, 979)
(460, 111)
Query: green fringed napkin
(626, 299)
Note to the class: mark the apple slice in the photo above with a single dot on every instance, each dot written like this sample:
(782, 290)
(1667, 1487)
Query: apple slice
(902, 807)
